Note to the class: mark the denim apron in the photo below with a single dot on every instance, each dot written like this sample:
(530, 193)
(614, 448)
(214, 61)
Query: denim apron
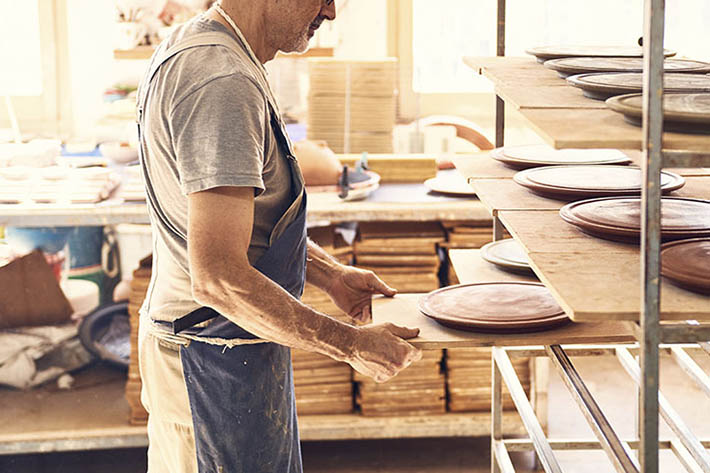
(242, 397)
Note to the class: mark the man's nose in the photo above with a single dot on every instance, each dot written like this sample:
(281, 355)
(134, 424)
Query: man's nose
(328, 11)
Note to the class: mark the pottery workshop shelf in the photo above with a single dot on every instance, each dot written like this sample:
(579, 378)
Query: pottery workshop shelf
(561, 115)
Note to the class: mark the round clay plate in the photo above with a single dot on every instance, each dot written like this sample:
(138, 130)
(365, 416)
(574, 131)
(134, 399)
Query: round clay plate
(579, 65)
(494, 306)
(507, 254)
(603, 85)
(450, 183)
(529, 156)
(681, 112)
(619, 218)
(687, 263)
(590, 181)
(559, 51)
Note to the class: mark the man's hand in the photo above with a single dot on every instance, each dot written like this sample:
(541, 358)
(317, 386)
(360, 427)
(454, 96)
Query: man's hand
(352, 290)
(380, 351)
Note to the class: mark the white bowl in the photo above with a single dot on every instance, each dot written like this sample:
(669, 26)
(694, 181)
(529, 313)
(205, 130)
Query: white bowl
(119, 153)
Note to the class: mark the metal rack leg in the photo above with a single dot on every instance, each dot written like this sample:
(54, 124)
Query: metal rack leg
(500, 51)
(496, 418)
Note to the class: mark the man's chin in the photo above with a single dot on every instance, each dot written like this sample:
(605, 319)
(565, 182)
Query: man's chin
(298, 48)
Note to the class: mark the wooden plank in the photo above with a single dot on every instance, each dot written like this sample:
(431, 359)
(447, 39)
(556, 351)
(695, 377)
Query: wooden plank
(482, 166)
(471, 268)
(547, 96)
(510, 70)
(695, 187)
(498, 195)
(546, 232)
(566, 128)
(403, 310)
(605, 286)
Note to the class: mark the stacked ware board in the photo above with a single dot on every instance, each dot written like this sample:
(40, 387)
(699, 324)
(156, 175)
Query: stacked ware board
(323, 385)
(395, 168)
(403, 254)
(139, 288)
(468, 379)
(352, 105)
(418, 390)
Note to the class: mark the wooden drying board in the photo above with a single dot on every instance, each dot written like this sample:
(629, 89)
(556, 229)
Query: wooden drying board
(695, 187)
(482, 166)
(403, 310)
(547, 96)
(605, 286)
(498, 195)
(546, 232)
(511, 71)
(470, 268)
(570, 128)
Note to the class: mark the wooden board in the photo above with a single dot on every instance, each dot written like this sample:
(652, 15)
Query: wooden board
(499, 195)
(546, 232)
(566, 128)
(696, 187)
(471, 268)
(605, 286)
(547, 96)
(403, 310)
(482, 166)
(513, 70)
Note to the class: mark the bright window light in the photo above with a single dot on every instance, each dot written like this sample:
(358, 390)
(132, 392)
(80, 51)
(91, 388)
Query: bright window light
(21, 73)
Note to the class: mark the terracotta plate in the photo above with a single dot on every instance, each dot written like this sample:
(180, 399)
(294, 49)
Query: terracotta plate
(619, 218)
(558, 51)
(494, 306)
(579, 65)
(681, 112)
(530, 156)
(451, 184)
(507, 254)
(687, 263)
(603, 85)
(590, 181)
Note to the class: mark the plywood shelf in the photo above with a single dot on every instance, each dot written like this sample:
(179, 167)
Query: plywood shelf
(561, 115)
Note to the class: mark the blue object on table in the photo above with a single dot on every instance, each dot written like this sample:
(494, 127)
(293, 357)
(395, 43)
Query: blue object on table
(296, 132)
(48, 239)
(94, 153)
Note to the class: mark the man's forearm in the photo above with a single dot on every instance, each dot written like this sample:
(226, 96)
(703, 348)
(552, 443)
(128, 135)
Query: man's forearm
(321, 268)
(260, 306)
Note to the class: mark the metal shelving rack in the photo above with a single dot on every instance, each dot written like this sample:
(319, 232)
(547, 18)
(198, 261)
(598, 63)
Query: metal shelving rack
(650, 333)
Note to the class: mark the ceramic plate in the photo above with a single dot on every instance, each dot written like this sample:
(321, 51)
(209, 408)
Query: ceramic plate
(685, 113)
(579, 65)
(558, 51)
(508, 255)
(529, 156)
(603, 85)
(687, 264)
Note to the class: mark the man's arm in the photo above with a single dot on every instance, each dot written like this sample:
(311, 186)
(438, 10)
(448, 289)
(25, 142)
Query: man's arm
(219, 232)
(350, 288)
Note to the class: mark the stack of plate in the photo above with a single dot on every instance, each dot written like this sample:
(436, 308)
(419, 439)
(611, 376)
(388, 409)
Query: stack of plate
(352, 104)
(579, 65)
(619, 218)
(530, 156)
(139, 288)
(418, 390)
(684, 113)
(468, 379)
(403, 254)
(323, 385)
(603, 85)
(543, 53)
(580, 182)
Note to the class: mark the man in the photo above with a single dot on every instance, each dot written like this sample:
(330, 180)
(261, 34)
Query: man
(228, 210)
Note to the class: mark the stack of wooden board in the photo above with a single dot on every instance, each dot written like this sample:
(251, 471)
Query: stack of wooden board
(468, 379)
(467, 234)
(323, 385)
(139, 288)
(394, 168)
(418, 390)
(352, 104)
(403, 254)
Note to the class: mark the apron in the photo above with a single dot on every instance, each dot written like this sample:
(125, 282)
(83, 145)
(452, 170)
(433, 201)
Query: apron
(240, 388)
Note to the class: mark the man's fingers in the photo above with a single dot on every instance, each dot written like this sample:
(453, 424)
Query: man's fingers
(379, 285)
(403, 332)
(365, 316)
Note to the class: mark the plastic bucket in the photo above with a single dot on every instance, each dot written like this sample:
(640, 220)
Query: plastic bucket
(135, 242)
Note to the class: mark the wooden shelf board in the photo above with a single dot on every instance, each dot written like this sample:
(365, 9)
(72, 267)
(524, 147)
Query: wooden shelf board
(470, 268)
(569, 128)
(403, 310)
(594, 287)
(512, 70)
(547, 96)
(482, 166)
(498, 195)
(697, 187)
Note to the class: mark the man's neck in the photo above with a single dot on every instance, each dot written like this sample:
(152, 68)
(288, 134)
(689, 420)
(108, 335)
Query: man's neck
(249, 18)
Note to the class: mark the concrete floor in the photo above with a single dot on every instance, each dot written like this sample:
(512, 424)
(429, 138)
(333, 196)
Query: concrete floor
(607, 381)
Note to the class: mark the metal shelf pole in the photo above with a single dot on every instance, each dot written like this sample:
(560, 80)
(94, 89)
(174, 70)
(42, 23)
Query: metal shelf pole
(500, 51)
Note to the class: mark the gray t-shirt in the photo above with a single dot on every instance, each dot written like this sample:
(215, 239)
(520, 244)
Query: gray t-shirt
(207, 124)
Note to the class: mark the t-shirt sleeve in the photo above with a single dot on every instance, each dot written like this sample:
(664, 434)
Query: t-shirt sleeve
(218, 135)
